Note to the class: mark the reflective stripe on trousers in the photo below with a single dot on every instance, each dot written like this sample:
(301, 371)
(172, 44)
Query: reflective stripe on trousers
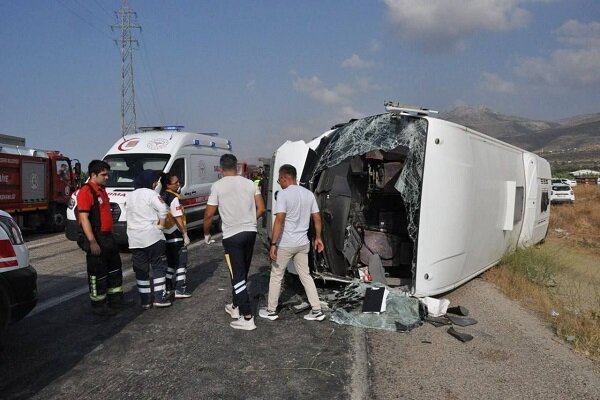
(147, 261)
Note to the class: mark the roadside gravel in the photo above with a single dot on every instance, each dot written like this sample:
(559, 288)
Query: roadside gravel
(514, 355)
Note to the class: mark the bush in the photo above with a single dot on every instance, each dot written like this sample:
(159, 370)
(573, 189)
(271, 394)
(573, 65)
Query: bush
(537, 265)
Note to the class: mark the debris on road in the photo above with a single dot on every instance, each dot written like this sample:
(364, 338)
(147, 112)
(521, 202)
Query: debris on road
(461, 321)
(463, 337)
(301, 307)
(438, 321)
(435, 307)
(402, 313)
(458, 310)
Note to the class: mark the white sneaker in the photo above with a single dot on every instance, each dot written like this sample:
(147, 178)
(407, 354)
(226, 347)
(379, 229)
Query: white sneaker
(243, 324)
(265, 313)
(182, 295)
(315, 315)
(162, 303)
(233, 311)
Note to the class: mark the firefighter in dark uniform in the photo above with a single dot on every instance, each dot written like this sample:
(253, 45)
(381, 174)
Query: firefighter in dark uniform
(177, 238)
(105, 277)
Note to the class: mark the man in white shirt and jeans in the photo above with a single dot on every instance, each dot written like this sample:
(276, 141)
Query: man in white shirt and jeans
(146, 214)
(240, 204)
(294, 209)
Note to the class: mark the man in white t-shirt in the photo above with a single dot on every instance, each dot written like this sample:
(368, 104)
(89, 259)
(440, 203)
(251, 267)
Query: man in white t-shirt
(146, 214)
(294, 209)
(240, 204)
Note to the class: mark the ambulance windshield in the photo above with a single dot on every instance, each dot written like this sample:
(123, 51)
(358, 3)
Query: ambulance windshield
(125, 167)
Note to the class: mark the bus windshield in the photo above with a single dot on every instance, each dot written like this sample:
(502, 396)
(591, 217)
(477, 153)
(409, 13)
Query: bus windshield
(125, 167)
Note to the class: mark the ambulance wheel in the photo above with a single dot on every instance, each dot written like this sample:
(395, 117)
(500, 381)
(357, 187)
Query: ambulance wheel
(57, 218)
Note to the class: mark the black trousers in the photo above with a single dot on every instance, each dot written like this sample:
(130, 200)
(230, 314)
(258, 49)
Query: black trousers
(146, 261)
(238, 255)
(105, 276)
(177, 258)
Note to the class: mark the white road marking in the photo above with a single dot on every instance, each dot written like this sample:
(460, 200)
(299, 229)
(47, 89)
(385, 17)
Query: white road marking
(36, 244)
(54, 301)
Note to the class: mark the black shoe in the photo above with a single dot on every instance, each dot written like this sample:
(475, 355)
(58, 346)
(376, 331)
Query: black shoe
(171, 295)
(103, 311)
(121, 304)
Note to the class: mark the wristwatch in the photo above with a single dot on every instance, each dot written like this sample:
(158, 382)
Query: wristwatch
(273, 244)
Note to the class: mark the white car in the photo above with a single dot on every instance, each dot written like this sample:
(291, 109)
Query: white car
(570, 182)
(561, 193)
(18, 287)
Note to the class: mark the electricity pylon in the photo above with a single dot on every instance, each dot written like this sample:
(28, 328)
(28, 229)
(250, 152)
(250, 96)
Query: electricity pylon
(125, 23)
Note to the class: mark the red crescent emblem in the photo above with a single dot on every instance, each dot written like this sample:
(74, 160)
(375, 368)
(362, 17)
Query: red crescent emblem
(128, 144)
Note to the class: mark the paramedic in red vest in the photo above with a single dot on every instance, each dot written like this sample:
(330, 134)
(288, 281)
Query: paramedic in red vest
(177, 238)
(105, 277)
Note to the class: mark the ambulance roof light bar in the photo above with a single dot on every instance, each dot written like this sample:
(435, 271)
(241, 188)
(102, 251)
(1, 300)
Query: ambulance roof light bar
(177, 128)
(223, 144)
(404, 109)
(198, 142)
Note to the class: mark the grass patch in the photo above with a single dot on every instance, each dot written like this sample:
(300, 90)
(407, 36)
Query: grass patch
(539, 278)
(536, 264)
(578, 223)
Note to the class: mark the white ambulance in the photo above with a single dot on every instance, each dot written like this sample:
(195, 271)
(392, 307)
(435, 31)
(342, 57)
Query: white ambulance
(193, 157)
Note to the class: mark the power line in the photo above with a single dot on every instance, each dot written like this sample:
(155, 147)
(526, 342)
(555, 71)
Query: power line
(103, 9)
(82, 18)
(153, 90)
(148, 122)
(92, 13)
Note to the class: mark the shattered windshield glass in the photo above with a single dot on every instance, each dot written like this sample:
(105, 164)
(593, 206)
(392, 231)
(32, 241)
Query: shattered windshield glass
(383, 132)
(402, 313)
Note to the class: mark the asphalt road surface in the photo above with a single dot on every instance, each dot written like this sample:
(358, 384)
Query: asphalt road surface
(188, 351)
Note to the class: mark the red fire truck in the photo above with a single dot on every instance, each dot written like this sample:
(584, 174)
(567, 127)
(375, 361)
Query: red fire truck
(35, 185)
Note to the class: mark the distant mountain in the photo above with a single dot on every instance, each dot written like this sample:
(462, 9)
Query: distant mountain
(579, 119)
(581, 132)
(486, 120)
(583, 136)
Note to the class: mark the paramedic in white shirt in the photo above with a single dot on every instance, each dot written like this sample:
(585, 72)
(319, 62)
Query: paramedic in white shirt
(240, 204)
(146, 214)
(293, 211)
(177, 238)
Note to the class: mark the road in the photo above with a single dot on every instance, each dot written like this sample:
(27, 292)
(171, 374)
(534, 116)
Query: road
(188, 351)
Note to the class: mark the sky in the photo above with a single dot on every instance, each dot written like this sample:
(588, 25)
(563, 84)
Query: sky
(263, 72)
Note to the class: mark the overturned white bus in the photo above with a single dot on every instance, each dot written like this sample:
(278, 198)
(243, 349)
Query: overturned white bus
(433, 202)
